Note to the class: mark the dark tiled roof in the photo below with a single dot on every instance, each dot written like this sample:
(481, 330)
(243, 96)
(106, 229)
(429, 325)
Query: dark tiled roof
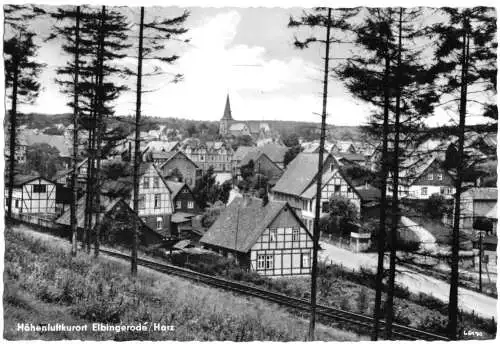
(106, 202)
(240, 225)
(299, 174)
(368, 193)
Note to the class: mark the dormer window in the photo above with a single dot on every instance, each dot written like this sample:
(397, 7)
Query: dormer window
(430, 176)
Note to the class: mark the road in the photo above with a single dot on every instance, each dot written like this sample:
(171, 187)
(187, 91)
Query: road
(469, 301)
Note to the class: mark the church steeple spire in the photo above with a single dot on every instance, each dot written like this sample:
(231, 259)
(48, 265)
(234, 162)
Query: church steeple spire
(227, 110)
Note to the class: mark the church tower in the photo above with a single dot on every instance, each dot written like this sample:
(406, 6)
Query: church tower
(226, 119)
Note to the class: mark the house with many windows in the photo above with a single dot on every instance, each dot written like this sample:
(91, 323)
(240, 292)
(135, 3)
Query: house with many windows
(302, 191)
(155, 197)
(269, 239)
(33, 195)
(421, 178)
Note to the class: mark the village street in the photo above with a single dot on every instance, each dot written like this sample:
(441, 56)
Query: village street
(469, 301)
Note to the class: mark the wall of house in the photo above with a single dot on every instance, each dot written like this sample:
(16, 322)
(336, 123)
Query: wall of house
(28, 200)
(184, 202)
(265, 166)
(185, 167)
(284, 248)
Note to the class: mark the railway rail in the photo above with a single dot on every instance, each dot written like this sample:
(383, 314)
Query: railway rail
(399, 331)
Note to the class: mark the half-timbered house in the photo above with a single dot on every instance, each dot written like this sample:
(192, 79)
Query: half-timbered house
(32, 195)
(269, 239)
(298, 187)
(421, 179)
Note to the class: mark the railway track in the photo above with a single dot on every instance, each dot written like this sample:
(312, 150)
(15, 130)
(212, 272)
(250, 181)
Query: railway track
(338, 315)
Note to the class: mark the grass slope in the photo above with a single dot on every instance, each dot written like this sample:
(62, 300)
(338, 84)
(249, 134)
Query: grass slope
(43, 284)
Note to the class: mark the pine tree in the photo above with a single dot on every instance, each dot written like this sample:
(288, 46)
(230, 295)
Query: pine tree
(71, 34)
(320, 17)
(21, 72)
(161, 32)
(390, 74)
(466, 59)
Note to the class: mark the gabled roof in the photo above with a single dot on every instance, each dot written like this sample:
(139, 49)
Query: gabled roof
(251, 155)
(274, 151)
(227, 110)
(481, 193)
(174, 187)
(244, 220)
(160, 146)
(21, 179)
(106, 202)
(299, 175)
(170, 155)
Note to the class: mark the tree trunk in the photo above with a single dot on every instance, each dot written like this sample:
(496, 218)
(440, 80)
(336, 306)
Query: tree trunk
(314, 269)
(74, 174)
(137, 149)
(453, 300)
(383, 205)
(99, 134)
(389, 309)
(13, 136)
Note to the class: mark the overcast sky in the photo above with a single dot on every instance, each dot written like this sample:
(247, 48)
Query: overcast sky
(244, 52)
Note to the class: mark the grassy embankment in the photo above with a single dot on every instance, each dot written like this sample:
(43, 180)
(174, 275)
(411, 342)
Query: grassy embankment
(43, 284)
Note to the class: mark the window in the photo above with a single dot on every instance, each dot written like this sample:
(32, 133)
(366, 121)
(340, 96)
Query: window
(325, 207)
(145, 183)
(261, 261)
(269, 261)
(159, 223)
(190, 204)
(295, 234)
(178, 204)
(349, 189)
(311, 205)
(272, 234)
(337, 188)
(331, 168)
(156, 182)
(17, 203)
(39, 188)
(305, 260)
(423, 191)
(430, 176)
(439, 176)
(157, 201)
(185, 190)
(142, 202)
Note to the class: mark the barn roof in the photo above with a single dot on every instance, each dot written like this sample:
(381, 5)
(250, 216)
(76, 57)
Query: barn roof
(240, 225)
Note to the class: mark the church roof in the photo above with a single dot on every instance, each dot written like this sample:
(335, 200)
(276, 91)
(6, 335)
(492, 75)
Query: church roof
(227, 110)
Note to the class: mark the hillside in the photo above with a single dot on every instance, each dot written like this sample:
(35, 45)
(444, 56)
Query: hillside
(43, 284)
(285, 128)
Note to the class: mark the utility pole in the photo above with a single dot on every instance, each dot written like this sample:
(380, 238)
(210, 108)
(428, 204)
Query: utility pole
(480, 261)
(74, 191)
(314, 268)
(137, 150)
